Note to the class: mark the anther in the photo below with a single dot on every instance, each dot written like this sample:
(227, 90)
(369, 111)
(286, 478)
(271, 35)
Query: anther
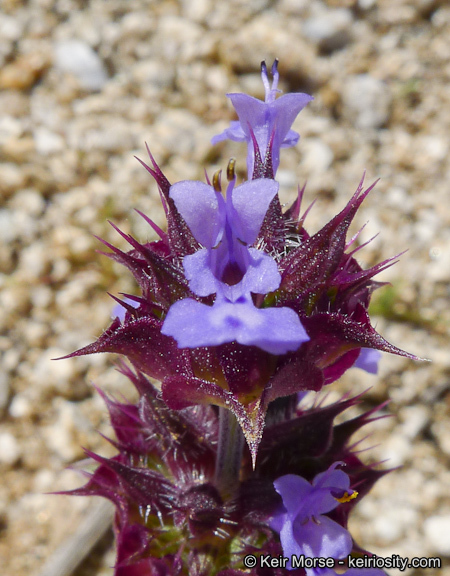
(347, 496)
(231, 174)
(217, 181)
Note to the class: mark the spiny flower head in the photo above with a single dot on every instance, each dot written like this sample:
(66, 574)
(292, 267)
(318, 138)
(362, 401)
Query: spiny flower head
(239, 304)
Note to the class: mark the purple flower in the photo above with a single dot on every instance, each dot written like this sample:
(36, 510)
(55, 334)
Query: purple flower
(229, 268)
(266, 124)
(303, 528)
(368, 360)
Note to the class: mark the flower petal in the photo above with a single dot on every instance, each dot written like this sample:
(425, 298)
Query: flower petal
(197, 269)
(233, 132)
(250, 202)
(202, 208)
(193, 324)
(285, 110)
(277, 331)
(293, 490)
(326, 539)
(262, 274)
(289, 543)
(253, 117)
(368, 360)
(291, 139)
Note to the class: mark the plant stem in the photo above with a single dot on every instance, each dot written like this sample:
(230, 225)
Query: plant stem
(229, 452)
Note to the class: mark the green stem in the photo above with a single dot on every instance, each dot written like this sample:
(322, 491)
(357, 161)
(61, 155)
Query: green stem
(229, 452)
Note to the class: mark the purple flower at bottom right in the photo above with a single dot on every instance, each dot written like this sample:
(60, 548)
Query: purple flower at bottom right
(303, 528)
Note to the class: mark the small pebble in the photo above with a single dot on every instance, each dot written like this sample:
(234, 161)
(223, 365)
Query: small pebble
(4, 390)
(366, 101)
(77, 58)
(9, 449)
(20, 407)
(331, 30)
(437, 530)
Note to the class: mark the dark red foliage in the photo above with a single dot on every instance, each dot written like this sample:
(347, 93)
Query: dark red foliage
(170, 513)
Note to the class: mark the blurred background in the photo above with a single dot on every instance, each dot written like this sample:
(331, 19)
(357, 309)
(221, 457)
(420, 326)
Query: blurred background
(83, 86)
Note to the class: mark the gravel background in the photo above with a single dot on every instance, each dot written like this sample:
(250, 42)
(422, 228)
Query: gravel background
(82, 86)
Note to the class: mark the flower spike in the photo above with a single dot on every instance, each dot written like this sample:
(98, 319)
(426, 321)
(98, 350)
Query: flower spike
(240, 313)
